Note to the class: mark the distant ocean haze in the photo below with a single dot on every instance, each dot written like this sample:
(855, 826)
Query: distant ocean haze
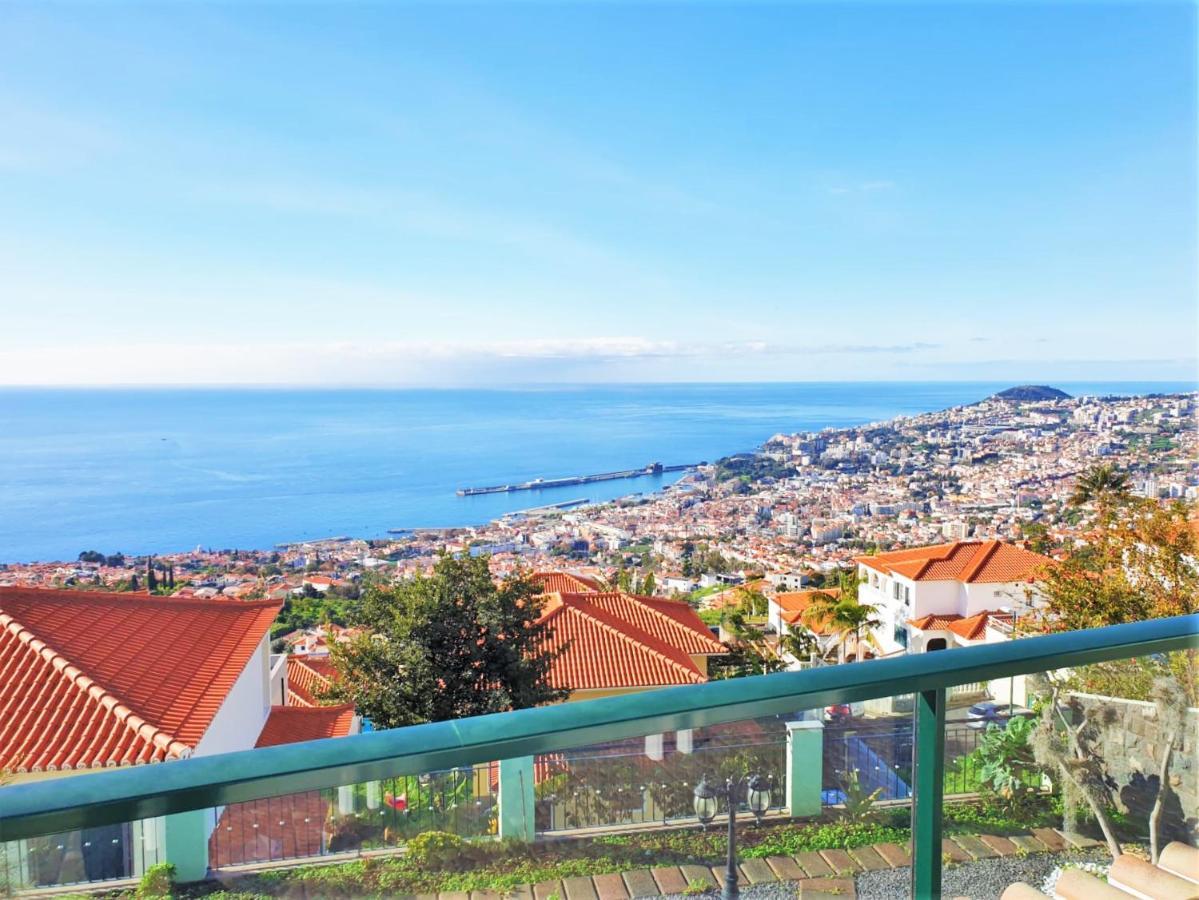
(162, 470)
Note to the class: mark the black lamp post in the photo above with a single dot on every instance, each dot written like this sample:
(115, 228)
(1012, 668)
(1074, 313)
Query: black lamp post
(754, 791)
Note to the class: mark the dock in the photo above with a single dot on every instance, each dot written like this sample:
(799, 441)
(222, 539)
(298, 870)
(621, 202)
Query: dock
(549, 507)
(538, 484)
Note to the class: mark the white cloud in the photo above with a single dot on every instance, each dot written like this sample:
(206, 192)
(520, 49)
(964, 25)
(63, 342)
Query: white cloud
(397, 362)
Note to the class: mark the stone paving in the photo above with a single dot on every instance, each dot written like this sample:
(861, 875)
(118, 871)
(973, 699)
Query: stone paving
(816, 874)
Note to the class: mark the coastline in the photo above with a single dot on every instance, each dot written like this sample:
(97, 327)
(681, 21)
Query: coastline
(157, 472)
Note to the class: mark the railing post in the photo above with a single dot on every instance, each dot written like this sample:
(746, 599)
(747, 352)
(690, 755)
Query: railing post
(930, 786)
(805, 767)
(185, 844)
(517, 801)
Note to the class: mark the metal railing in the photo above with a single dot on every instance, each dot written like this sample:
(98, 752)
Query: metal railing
(107, 798)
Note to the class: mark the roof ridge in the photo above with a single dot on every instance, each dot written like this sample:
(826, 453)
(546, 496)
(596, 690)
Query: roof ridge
(134, 598)
(119, 709)
(984, 553)
(601, 617)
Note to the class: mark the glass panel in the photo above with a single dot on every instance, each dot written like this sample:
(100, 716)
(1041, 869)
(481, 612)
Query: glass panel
(107, 853)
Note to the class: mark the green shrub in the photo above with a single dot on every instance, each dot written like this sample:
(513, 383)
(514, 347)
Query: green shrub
(157, 881)
(437, 849)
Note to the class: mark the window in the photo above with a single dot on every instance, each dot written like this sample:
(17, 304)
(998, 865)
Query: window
(901, 636)
(907, 596)
(897, 591)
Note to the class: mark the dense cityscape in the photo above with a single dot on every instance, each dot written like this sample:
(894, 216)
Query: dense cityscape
(796, 511)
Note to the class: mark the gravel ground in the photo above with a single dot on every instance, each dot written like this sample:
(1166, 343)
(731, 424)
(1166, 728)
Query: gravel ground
(983, 879)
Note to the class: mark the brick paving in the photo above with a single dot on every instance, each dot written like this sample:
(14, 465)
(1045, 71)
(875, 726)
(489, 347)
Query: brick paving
(758, 871)
(816, 875)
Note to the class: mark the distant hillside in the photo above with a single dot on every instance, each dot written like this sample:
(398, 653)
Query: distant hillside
(1027, 392)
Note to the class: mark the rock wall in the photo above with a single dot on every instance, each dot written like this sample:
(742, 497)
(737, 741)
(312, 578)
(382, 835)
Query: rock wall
(1132, 747)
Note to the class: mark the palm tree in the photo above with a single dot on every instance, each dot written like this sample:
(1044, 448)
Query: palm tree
(854, 617)
(1101, 485)
(819, 615)
(840, 612)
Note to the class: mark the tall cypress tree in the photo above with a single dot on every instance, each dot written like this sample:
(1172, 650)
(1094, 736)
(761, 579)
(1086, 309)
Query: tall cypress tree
(151, 580)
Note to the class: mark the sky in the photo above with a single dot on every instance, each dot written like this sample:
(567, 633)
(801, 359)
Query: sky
(428, 194)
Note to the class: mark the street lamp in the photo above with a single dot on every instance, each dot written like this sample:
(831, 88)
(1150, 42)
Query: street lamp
(754, 791)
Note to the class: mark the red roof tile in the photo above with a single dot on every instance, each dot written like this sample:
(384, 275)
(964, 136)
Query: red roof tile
(970, 629)
(90, 679)
(307, 676)
(616, 641)
(292, 724)
(966, 561)
(565, 583)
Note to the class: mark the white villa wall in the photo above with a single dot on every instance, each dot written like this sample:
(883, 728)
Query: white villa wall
(239, 721)
(989, 597)
(936, 598)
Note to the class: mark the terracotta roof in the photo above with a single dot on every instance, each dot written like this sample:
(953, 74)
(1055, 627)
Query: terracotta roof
(617, 640)
(307, 676)
(970, 629)
(795, 603)
(291, 724)
(672, 621)
(965, 561)
(565, 583)
(91, 679)
(934, 623)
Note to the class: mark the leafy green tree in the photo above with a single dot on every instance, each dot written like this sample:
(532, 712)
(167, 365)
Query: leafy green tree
(647, 586)
(445, 646)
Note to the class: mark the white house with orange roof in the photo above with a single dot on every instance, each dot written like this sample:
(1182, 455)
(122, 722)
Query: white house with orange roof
(92, 680)
(948, 595)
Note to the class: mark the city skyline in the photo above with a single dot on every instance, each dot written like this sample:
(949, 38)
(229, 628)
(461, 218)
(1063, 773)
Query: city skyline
(425, 196)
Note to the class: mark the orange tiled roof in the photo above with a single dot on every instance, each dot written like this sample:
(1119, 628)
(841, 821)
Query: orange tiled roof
(565, 583)
(965, 561)
(970, 628)
(91, 679)
(292, 724)
(795, 603)
(617, 640)
(307, 676)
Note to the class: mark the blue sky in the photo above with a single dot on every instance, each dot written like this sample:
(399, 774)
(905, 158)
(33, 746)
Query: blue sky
(445, 194)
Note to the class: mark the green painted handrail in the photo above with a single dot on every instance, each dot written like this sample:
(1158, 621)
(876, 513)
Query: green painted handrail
(121, 795)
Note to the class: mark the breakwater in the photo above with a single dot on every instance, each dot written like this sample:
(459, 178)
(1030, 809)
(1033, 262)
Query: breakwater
(538, 484)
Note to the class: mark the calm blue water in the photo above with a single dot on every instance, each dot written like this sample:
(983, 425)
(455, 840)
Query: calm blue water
(142, 471)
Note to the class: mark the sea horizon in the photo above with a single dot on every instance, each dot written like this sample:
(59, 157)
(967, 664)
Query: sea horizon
(160, 469)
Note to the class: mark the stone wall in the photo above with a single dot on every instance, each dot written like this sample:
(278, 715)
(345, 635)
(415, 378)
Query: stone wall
(1132, 747)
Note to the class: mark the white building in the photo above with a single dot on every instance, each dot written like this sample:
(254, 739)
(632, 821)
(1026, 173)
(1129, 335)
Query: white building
(948, 595)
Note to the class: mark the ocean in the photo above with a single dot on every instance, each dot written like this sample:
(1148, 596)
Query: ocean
(160, 470)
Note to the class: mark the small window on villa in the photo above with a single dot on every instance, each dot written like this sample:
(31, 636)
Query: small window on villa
(907, 595)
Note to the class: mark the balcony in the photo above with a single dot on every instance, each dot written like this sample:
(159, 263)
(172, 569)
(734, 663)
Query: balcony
(619, 771)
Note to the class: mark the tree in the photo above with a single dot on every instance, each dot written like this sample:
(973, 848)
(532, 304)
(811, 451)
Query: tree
(749, 653)
(1140, 563)
(151, 578)
(1171, 702)
(647, 586)
(842, 614)
(1071, 749)
(1101, 485)
(444, 646)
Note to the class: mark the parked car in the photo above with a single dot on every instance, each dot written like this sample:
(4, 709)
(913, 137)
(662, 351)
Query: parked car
(840, 712)
(980, 715)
